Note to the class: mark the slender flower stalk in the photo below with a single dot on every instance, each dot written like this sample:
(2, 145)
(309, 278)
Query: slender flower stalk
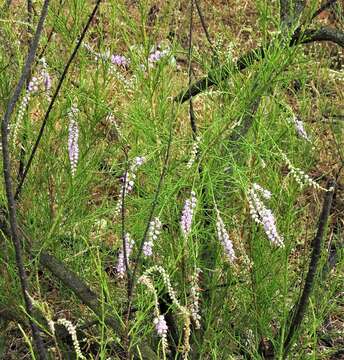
(129, 181)
(129, 243)
(194, 299)
(223, 237)
(187, 214)
(41, 82)
(33, 88)
(262, 215)
(73, 137)
(194, 152)
(45, 76)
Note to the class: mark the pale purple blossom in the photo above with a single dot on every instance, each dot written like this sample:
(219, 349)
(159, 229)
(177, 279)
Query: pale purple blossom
(262, 215)
(119, 60)
(299, 126)
(131, 175)
(223, 237)
(45, 76)
(35, 84)
(157, 55)
(187, 214)
(153, 234)
(129, 243)
(114, 59)
(73, 137)
(160, 325)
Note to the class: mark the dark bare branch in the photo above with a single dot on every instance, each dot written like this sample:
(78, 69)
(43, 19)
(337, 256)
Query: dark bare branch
(214, 77)
(77, 285)
(301, 307)
(40, 348)
(324, 34)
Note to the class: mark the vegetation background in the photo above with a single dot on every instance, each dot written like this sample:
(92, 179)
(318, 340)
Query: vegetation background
(122, 144)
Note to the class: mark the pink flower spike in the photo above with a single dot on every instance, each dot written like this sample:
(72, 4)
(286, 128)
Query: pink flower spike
(160, 325)
(187, 214)
(73, 137)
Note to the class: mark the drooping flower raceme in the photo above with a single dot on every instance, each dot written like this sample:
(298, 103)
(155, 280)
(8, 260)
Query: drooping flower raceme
(73, 137)
(153, 234)
(33, 88)
(129, 243)
(194, 299)
(39, 83)
(262, 215)
(223, 237)
(194, 152)
(187, 214)
(72, 332)
(301, 177)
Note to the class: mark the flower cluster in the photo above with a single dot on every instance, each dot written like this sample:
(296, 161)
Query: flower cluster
(153, 234)
(224, 238)
(187, 214)
(301, 177)
(40, 82)
(262, 215)
(131, 176)
(157, 55)
(44, 76)
(128, 181)
(299, 126)
(160, 325)
(194, 152)
(72, 332)
(129, 243)
(73, 137)
(119, 60)
(31, 89)
(114, 59)
(194, 299)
